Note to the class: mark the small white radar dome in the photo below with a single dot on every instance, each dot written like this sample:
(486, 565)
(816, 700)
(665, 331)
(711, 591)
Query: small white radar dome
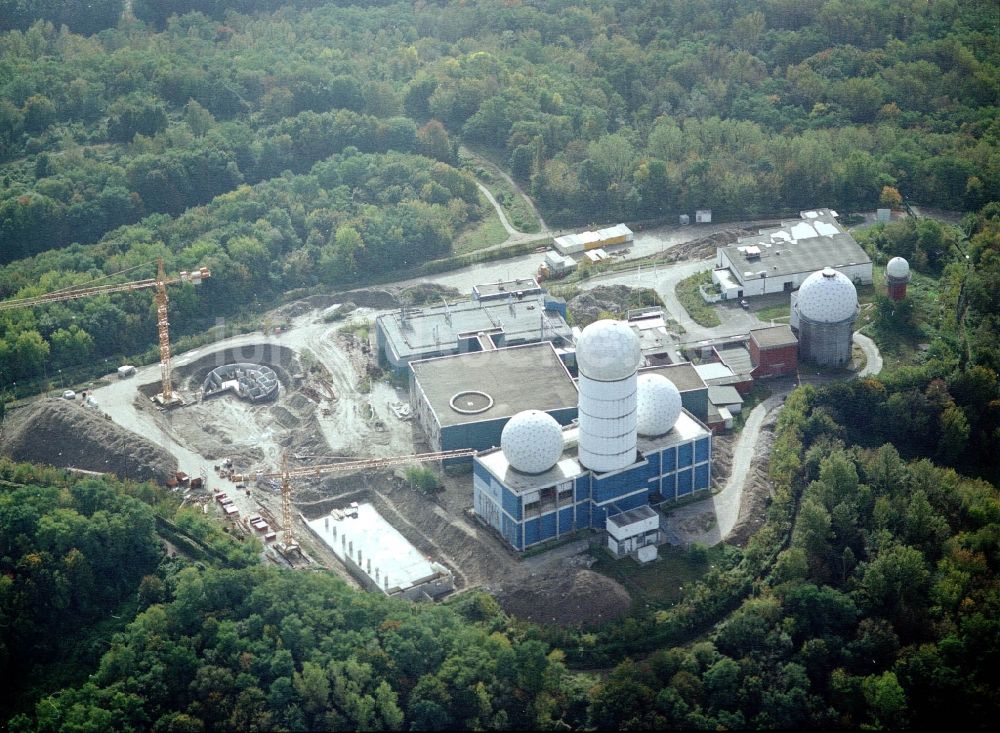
(532, 441)
(608, 351)
(827, 296)
(898, 268)
(659, 404)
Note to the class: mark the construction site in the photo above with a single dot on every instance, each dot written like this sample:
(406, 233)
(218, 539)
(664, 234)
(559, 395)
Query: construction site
(253, 413)
(299, 439)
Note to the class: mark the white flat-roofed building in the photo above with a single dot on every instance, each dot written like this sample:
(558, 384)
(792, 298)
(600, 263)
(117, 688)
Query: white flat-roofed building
(379, 556)
(634, 532)
(779, 259)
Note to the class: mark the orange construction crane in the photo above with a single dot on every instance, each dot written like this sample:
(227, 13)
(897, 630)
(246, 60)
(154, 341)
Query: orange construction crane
(159, 282)
(286, 475)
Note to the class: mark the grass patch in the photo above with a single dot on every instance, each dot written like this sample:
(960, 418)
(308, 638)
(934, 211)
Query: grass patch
(919, 319)
(774, 313)
(359, 330)
(688, 294)
(757, 394)
(489, 232)
(486, 168)
(519, 214)
(662, 582)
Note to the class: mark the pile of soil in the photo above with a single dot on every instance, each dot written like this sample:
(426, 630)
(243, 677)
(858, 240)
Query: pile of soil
(566, 597)
(704, 247)
(722, 458)
(757, 490)
(378, 298)
(426, 293)
(588, 305)
(66, 434)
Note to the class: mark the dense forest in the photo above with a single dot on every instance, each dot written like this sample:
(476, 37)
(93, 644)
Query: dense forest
(291, 145)
(158, 133)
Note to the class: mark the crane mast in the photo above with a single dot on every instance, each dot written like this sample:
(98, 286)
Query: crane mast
(287, 534)
(166, 396)
(160, 283)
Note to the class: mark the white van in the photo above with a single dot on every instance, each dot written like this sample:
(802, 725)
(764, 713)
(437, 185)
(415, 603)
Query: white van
(126, 371)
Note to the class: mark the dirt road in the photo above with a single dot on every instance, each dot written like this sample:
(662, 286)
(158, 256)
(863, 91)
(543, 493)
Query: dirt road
(712, 519)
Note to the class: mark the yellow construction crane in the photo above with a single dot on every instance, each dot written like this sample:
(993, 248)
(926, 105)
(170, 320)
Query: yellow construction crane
(160, 282)
(286, 475)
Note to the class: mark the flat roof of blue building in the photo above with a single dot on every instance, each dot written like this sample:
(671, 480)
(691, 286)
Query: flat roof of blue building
(489, 385)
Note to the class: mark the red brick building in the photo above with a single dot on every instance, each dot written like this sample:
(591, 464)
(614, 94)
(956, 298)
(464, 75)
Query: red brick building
(774, 351)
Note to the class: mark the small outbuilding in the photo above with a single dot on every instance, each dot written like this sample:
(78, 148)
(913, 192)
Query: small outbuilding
(635, 532)
(774, 351)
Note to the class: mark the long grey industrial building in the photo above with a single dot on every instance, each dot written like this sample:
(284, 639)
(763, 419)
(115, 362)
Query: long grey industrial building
(502, 314)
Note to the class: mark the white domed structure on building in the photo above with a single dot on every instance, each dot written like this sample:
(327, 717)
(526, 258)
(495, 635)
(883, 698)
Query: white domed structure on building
(608, 351)
(532, 441)
(823, 312)
(898, 268)
(897, 274)
(828, 296)
(659, 405)
(608, 355)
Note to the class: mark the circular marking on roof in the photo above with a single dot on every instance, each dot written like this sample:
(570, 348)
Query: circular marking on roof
(471, 402)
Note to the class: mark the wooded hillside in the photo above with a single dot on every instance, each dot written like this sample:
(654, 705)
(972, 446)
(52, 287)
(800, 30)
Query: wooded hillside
(160, 134)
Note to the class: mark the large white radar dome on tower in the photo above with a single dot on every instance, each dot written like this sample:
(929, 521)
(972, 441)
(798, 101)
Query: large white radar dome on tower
(659, 405)
(898, 268)
(608, 351)
(827, 296)
(532, 441)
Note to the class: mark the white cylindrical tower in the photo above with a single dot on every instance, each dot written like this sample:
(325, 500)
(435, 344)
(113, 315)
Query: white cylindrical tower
(608, 355)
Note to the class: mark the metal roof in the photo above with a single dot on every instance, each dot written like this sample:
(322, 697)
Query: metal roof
(713, 370)
(633, 516)
(724, 395)
(797, 246)
(515, 379)
(684, 375)
(736, 357)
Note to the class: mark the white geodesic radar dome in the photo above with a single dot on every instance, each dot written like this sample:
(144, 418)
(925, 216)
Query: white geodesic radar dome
(659, 404)
(608, 351)
(827, 296)
(898, 268)
(532, 441)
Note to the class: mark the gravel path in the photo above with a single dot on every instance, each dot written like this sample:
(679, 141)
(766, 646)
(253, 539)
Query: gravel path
(873, 358)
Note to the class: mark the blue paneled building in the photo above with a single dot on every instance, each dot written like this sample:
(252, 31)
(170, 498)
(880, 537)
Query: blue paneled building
(528, 509)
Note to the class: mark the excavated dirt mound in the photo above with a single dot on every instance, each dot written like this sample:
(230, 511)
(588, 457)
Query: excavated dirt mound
(704, 247)
(66, 434)
(757, 490)
(379, 298)
(566, 597)
(588, 305)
